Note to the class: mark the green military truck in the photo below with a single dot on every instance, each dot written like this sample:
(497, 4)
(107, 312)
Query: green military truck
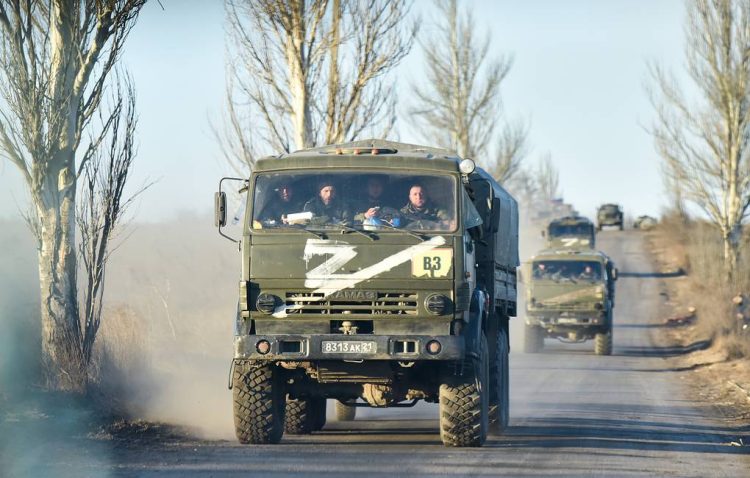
(375, 274)
(570, 295)
(609, 215)
(570, 232)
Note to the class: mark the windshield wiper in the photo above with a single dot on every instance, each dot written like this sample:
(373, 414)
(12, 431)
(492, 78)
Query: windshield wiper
(347, 227)
(318, 234)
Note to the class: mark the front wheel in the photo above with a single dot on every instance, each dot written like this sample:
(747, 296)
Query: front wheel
(259, 402)
(603, 343)
(464, 403)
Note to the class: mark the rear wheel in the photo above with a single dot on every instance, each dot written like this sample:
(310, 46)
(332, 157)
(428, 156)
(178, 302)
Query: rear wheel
(345, 413)
(603, 343)
(500, 385)
(464, 400)
(533, 340)
(259, 402)
(300, 416)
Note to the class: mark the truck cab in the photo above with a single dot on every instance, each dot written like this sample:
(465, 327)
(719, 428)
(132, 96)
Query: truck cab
(375, 274)
(570, 232)
(570, 295)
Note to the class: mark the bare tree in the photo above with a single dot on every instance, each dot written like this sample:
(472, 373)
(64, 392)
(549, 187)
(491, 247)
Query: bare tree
(282, 49)
(548, 179)
(55, 58)
(704, 143)
(107, 165)
(459, 106)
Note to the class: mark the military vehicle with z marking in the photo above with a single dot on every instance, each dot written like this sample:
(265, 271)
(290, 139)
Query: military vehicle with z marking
(374, 274)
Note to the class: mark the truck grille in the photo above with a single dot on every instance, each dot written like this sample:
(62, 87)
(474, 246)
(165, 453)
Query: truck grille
(374, 303)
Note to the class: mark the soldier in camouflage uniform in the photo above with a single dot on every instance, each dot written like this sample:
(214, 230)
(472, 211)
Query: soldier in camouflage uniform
(326, 207)
(419, 209)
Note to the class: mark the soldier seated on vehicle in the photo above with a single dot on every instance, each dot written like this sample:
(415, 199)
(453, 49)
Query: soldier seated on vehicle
(540, 271)
(284, 203)
(372, 210)
(326, 207)
(419, 212)
(588, 273)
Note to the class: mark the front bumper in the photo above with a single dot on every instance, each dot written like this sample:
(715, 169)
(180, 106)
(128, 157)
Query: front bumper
(572, 319)
(409, 348)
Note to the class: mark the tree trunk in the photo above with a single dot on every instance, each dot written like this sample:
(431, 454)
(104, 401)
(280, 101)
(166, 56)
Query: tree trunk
(63, 366)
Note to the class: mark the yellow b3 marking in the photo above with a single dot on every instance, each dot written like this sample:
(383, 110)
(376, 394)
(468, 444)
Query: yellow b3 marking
(434, 263)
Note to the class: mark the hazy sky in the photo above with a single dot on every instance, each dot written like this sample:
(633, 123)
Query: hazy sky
(578, 79)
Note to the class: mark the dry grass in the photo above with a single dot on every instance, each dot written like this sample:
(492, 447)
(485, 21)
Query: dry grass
(697, 249)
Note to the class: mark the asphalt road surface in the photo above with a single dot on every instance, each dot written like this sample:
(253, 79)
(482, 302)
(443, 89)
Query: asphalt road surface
(572, 414)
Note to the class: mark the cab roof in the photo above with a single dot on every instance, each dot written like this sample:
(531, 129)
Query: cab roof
(571, 220)
(375, 153)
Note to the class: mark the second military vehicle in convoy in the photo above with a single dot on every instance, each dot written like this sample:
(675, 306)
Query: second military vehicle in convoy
(375, 274)
(570, 295)
(609, 215)
(570, 232)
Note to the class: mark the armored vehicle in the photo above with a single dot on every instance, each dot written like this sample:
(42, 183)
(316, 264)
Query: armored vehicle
(570, 295)
(375, 274)
(570, 232)
(609, 215)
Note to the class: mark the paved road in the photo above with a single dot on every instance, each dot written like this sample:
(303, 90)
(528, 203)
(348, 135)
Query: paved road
(573, 414)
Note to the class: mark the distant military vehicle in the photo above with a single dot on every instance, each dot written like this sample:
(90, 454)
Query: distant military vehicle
(645, 223)
(570, 295)
(376, 274)
(609, 215)
(570, 232)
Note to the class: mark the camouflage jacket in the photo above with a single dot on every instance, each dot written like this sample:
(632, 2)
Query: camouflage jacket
(334, 213)
(428, 213)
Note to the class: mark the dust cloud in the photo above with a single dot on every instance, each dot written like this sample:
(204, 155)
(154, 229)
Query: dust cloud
(166, 338)
(530, 242)
(35, 428)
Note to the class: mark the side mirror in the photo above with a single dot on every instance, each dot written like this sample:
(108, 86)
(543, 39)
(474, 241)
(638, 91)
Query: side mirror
(220, 209)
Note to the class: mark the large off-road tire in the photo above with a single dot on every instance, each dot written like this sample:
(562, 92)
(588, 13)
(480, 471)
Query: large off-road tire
(603, 343)
(464, 403)
(319, 411)
(300, 416)
(500, 385)
(533, 341)
(259, 402)
(344, 413)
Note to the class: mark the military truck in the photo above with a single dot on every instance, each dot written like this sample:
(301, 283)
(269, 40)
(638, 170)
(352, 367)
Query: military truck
(409, 302)
(570, 295)
(570, 232)
(609, 215)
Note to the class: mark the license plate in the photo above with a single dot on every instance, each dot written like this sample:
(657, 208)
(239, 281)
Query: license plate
(563, 320)
(349, 347)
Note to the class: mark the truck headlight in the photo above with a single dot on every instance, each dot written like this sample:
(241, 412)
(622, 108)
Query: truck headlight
(266, 303)
(436, 304)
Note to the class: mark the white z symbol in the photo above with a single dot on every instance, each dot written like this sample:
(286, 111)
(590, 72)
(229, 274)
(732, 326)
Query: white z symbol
(340, 255)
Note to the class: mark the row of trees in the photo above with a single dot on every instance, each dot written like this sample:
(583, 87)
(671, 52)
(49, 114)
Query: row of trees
(703, 138)
(311, 72)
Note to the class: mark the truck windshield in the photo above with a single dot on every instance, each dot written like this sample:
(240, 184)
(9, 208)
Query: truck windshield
(558, 230)
(363, 200)
(570, 270)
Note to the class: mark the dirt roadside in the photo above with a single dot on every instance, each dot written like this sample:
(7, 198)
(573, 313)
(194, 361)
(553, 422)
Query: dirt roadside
(705, 365)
